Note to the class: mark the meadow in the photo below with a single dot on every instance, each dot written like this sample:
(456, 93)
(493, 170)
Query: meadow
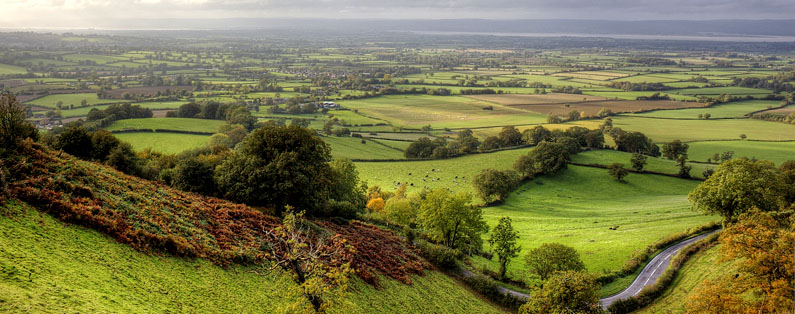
(51, 101)
(440, 111)
(353, 148)
(454, 173)
(6, 69)
(666, 130)
(168, 143)
(579, 206)
(606, 157)
(777, 152)
(173, 124)
(52, 267)
(727, 110)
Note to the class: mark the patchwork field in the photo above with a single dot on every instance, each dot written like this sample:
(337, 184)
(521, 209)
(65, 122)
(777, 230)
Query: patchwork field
(777, 152)
(591, 105)
(728, 110)
(440, 111)
(50, 101)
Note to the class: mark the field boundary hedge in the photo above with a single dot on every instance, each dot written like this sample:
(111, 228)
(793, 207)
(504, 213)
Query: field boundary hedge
(635, 171)
(649, 294)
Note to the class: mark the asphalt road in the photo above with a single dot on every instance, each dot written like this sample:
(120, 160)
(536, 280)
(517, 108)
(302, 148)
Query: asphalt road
(653, 270)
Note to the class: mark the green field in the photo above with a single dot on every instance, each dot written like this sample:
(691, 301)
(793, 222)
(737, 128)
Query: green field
(353, 148)
(578, 206)
(79, 112)
(666, 130)
(441, 111)
(6, 69)
(51, 101)
(662, 165)
(728, 110)
(700, 267)
(777, 152)
(169, 143)
(174, 124)
(465, 168)
(51, 267)
(715, 91)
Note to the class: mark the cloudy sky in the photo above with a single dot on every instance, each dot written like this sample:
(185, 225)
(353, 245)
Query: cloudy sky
(107, 13)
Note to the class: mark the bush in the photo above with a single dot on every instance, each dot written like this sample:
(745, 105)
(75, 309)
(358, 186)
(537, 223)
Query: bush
(439, 255)
(488, 288)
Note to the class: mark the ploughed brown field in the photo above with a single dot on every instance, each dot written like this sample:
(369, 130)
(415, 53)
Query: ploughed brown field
(786, 110)
(146, 90)
(561, 104)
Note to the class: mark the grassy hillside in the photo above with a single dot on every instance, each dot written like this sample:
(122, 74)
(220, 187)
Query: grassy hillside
(160, 249)
(47, 266)
(578, 206)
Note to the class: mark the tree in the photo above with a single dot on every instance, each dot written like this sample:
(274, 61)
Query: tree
(276, 166)
(13, 126)
(737, 186)
(124, 159)
(321, 266)
(553, 119)
(674, 149)
(634, 142)
(189, 110)
(760, 244)
(422, 148)
(75, 140)
(546, 158)
(193, 175)
(503, 242)
(595, 139)
(684, 169)
(347, 194)
(638, 161)
(510, 136)
(376, 205)
(552, 257)
(449, 217)
(490, 143)
(536, 135)
(495, 185)
(102, 143)
(565, 292)
(469, 143)
(403, 209)
(617, 171)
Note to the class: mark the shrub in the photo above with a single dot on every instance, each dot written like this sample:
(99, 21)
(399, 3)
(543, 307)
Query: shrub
(439, 255)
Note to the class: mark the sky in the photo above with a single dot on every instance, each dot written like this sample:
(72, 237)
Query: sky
(108, 13)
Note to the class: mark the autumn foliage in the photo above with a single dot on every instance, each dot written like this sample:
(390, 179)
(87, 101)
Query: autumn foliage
(155, 218)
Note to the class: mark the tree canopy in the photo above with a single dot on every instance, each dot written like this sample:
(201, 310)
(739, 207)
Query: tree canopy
(552, 257)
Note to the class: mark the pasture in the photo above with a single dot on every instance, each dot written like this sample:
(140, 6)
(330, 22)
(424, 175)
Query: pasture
(562, 104)
(440, 111)
(51, 101)
(579, 206)
(167, 143)
(7, 69)
(173, 124)
(727, 110)
(454, 173)
(777, 152)
(666, 130)
(606, 157)
(357, 148)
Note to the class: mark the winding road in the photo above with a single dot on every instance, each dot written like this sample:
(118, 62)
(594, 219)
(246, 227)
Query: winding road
(653, 270)
(648, 276)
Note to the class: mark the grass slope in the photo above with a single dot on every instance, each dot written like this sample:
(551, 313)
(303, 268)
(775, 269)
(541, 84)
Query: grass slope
(47, 266)
(777, 152)
(352, 148)
(662, 165)
(703, 266)
(666, 130)
(578, 206)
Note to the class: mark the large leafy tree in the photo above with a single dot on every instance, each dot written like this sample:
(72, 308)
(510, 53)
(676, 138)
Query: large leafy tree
(546, 158)
(737, 186)
(503, 242)
(276, 166)
(450, 218)
(675, 149)
(495, 185)
(550, 258)
(565, 292)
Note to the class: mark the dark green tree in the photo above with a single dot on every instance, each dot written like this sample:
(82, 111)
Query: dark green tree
(638, 161)
(495, 185)
(503, 243)
(550, 258)
(617, 171)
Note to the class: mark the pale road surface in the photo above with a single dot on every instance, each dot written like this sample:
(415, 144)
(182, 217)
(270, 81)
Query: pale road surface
(653, 270)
